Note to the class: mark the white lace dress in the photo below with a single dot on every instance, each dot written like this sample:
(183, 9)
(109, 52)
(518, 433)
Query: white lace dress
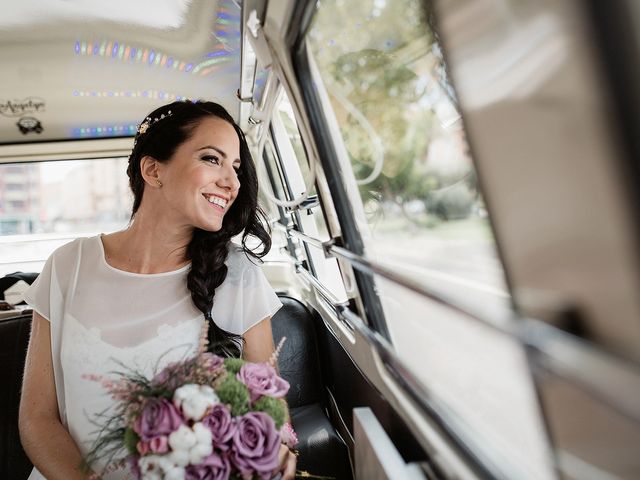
(102, 318)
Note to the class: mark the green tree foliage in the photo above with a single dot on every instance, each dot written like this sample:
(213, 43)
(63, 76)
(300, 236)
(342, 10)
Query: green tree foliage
(385, 77)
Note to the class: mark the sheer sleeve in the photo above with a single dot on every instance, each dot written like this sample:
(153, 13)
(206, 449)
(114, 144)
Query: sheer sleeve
(38, 295)
(245, 297)
(47, 294)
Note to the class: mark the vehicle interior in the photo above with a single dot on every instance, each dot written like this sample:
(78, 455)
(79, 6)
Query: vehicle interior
(453, 191)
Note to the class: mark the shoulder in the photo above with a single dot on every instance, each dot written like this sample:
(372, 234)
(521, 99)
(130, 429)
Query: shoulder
(67, 255)
(238, 259)
(242, 269)
(68, 251)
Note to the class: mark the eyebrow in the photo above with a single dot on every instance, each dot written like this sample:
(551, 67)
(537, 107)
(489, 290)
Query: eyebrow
(224, 155)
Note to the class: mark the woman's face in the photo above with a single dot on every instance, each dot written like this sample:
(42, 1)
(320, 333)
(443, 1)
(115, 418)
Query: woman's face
(200, 181)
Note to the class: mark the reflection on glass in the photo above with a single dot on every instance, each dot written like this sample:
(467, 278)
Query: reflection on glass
(389, 89)
(384, 73)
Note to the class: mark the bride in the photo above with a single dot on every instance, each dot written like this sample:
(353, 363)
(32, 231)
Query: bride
(138, 297)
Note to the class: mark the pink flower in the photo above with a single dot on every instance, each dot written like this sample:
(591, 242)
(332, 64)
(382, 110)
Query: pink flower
(214, 362)
(158, 418)
(288, 435)
(256, 443)
(262, 379)
(142, 447)
(221, 425)
(159, 444)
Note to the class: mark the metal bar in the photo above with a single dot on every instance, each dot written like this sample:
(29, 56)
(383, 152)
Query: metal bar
(400, 373)
(364, 265)
(487, 468)
(307, 239)
(329, 159)
(320, 288)
(615, 382)
(311, 202)
(278, 225)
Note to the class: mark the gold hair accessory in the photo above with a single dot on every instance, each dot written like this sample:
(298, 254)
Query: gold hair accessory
(144, 126)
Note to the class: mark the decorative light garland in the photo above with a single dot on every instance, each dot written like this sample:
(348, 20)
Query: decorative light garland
(154, 94)
(125, 130)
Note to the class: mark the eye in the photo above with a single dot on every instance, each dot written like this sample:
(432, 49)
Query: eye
(212, 159)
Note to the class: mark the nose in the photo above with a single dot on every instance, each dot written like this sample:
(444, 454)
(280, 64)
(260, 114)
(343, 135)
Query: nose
(229, 179)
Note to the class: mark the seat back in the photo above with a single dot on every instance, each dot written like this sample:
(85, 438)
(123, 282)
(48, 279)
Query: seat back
(14, 338)
(298, 361)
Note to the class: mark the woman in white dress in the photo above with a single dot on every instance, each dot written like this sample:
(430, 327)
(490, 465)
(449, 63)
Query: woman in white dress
(138, 297)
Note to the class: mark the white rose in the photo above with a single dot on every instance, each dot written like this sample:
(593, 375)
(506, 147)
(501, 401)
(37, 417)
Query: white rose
(182, 439)
(194, 400)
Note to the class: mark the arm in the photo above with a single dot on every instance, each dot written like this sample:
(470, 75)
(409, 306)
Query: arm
(44, 438)
(258, 348)
(258, 340)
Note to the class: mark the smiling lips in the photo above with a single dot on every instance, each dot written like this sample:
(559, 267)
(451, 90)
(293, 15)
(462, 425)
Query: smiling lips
(215, 200)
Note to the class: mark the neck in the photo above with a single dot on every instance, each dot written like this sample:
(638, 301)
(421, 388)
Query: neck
(148, 245)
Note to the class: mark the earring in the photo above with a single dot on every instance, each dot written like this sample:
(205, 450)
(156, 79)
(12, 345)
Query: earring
(159, 183)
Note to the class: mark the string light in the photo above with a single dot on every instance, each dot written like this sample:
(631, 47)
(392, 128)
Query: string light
(104, 131)
(153, 94)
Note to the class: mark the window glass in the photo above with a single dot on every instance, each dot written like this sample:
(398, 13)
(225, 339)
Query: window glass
(297, 173)
(388, 86)
(422, 214)
(44, 205)
(271, 180)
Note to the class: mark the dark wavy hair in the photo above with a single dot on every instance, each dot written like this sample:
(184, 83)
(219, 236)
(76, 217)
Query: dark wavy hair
(207, 250)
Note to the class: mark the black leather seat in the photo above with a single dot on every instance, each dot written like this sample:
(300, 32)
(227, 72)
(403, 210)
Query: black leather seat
(322, 451)
(14, 337)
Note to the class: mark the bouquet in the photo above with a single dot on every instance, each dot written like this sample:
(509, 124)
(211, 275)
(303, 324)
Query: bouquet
(204, 417)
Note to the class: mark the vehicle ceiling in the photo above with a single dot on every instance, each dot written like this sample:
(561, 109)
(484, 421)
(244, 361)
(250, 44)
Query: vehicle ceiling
(91, 70)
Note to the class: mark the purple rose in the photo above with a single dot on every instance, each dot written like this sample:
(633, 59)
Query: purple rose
(262, 379)
(221, 425)
(256, 443)
(158, 418)
(214, 362)
(214, 467)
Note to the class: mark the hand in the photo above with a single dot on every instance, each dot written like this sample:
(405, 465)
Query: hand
(287, 466)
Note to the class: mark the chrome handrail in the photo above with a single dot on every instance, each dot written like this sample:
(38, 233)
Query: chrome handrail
(367, 266)
(613, 380)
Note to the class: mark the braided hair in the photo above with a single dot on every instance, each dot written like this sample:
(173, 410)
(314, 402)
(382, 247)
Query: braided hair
(206, 250)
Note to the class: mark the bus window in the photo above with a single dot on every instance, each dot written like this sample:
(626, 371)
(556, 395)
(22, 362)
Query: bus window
(307, 217)
(46, 204)
(423, 216)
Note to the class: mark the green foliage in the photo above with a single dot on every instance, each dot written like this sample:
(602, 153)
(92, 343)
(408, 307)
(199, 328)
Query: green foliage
(131, 439)
(452, 203)
(274, 407)
(235, 394)
(233, 365)
(390, 92)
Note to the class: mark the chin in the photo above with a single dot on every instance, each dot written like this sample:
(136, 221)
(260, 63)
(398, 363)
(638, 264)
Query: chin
(211, 228)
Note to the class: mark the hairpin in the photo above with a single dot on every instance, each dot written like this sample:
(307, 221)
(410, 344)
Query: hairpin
(146, 124)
